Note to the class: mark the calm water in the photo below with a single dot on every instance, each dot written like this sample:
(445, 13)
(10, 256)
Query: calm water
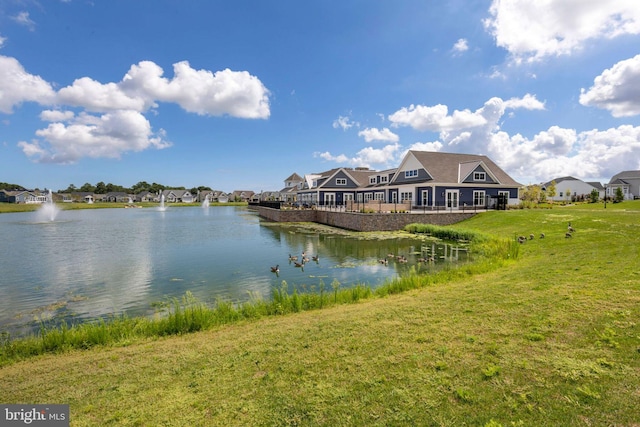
(92, 263)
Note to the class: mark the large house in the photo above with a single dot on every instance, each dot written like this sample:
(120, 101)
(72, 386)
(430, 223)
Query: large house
(628, 181)
(570, 189)
(424, 179)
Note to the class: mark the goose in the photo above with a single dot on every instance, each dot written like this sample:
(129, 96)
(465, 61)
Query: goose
(298, 264)
(542, 235)
(292, 258)
(275, 269)
(316, 258)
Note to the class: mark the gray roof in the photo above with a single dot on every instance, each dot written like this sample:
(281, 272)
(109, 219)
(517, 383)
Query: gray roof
(443, 167)
(625, 175)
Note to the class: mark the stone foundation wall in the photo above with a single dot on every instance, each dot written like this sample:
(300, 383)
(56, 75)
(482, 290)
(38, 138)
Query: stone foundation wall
(362, 222)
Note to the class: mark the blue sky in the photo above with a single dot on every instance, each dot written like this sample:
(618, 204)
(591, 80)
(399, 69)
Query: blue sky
(240, 94)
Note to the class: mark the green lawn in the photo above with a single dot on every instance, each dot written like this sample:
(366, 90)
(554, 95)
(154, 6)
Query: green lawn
(552, 339)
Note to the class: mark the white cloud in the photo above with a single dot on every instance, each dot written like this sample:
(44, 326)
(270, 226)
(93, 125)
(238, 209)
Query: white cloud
(561, 152)
(386, 156)
(528, 102)
(616, 89)
(374, 134)
(460, 46)
(122, 128)
(533, 30)
(23, 19)
(85, 135)
(56, 116)
(95, 96)
(18, 86)
(344, 123)
(426, 146)
(435, 118)
(2, 40)
(331, 158)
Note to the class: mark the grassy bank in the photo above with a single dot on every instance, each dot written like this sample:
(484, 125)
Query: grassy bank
(552, 339)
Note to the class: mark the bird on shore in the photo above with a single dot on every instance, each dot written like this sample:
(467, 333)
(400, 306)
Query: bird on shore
(542, 235)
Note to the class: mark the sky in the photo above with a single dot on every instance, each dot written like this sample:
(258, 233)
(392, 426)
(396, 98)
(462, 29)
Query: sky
(239, 94)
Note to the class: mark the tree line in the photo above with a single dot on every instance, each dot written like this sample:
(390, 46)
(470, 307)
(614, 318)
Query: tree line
(102, 188)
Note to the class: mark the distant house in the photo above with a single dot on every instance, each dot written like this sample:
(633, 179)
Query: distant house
(291, 186)
(628, 181)
(22, 196)
(424, 179)
(117, 197)
(269, 196)
(241, 196)
(177, 196)
(146, 196)
(570, 189)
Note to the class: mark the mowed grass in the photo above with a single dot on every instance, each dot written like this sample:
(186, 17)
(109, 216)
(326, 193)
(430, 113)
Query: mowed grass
(550, 339)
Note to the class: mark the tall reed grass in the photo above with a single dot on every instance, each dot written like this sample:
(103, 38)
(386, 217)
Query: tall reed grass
(187, 314)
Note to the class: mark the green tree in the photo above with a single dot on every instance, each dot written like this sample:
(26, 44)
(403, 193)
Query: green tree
(594, 196)
(551, 190)
(619, 197)
(101, 188)
(87, 188)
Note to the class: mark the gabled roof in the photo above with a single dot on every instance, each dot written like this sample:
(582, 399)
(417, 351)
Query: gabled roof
(559, 180)
(625, 175)
(467, 168)
(596, 185)
(360, 176)
(295, 177)
(444, 167)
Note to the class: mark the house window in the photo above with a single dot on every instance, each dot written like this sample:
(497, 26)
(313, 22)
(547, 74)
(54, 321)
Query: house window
(411, 173)
(379, 196)
(406, 197)
(368, 196)
(479, 176)
(383, 179)
(478, 198)
(372, 180)
(341, 181)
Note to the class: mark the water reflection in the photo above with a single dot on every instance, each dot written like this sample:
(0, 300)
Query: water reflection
(92, 263)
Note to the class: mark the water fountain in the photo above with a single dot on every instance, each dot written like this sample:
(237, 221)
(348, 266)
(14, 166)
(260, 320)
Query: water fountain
(205, 202)
(162, 207)
(48, 211)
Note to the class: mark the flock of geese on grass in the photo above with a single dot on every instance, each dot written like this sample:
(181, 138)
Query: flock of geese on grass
(567, 235)
(297, 262)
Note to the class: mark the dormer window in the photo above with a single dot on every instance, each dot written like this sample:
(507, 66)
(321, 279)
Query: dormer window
(341, 181)
(372, 180)
(383, 178)
(479, 176)
(411, 173)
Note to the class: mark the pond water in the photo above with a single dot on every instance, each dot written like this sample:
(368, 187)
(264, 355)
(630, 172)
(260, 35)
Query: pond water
(93, 263)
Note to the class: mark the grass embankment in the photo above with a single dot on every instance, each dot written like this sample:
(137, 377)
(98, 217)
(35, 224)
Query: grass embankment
(552, 339)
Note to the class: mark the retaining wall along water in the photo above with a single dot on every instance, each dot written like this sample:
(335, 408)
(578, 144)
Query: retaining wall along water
(361, 221)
